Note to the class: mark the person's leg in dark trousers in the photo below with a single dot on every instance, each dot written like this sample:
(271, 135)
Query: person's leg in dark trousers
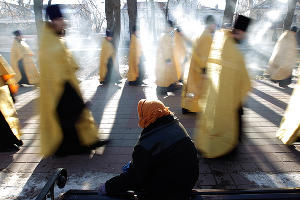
(8, 140)
(240, 120)
(24, 79)
(161, 90)
(285, 82)
(109, 71)
(141, 71)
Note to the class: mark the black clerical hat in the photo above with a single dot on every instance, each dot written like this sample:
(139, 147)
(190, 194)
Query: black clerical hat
(17, 33)
(294, 29)
(54, 12)
(171, 23)
(242, 23)
(109, 33)
(209, 19)
(135, 28)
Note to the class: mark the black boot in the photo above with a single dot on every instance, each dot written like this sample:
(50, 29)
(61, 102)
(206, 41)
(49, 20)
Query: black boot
(161, 90)
(98, 144)
(186, 111)
(133, 83)
(9, 148)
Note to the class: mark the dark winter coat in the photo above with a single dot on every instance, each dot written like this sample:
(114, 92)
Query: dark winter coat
(164, 163)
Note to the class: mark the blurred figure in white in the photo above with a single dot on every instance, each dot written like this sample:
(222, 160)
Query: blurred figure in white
(167, 68)
(289, 131)
(283, 59)
(194, 86)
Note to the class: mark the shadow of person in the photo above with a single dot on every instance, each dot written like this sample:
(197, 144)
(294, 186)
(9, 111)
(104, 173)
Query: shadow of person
(98, 102)
(25, 89)
(120, 120)
(263, 111)
(286, 90)
(6, 159)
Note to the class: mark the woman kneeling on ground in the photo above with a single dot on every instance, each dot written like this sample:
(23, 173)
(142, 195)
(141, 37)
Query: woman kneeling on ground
(164, 161)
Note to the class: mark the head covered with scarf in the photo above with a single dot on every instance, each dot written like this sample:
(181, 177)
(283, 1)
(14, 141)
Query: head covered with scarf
(150, 111)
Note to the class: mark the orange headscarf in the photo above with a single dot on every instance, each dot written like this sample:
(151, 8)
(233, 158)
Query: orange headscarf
(150, 111)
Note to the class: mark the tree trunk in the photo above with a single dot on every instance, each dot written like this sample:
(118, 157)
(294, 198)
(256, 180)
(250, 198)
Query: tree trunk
(38, 7)
(288, 20)
(167, 10)
(109, 14)
(21, 3)
(112, 12)
(117, 25)
(250, 4)
(132, 14)
(229, 12)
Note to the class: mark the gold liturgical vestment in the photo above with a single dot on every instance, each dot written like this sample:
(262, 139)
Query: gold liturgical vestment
(167, 64)
(57, 74)
(179, 51)
(10, 128)
(20, 52)
(135, 54)
(194, 86)
(107, 53)
(289, 130)
(228, 84)
(284, 56)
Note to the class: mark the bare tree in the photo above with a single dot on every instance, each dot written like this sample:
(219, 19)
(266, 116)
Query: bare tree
(290, 14)
(92, 12)
(20, 11)
(229, 12)
(6, 9)
(109, 14)
(250, 5)
(112, 12)
(244, 7)
(167, 10)
(21, 3)
(132, 13)
(38, 7)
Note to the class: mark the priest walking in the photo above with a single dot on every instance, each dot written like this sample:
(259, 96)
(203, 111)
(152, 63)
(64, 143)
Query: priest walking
(67, 126)
(194, 86)
(220, 125)
(22, 62)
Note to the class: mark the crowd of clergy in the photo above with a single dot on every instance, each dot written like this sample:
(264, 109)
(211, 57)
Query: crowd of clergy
(216, 88)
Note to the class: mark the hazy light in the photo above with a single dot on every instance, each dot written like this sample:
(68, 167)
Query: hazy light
(190, 25)
(283, 1)
(273, 15)
(260, 33)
